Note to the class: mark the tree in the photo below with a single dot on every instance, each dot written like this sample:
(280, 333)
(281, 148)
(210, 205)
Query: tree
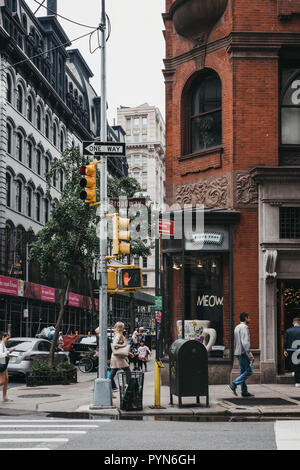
(69, 240)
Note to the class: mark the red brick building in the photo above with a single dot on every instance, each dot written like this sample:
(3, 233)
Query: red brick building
(232, 78)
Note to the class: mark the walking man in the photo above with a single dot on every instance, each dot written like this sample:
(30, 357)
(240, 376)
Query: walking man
(245, 357)
(291, 344)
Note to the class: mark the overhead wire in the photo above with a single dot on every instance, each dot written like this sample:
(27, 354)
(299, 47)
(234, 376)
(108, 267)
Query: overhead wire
(47, 51)
(61, 16)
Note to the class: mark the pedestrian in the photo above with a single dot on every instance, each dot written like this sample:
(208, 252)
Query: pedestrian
(291, 344)
(4, 358)
(143, 353)
(119, 359)
(127, 339)
(141, 336)
(133, 356)
(245, 357)
(134, 335)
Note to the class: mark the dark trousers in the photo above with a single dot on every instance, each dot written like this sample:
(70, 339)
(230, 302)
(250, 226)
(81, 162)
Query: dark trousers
(141, 362)
(113, 373)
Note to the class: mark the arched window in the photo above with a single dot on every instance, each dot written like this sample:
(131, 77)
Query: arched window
(19, 146)
(62, 141)
(38, 161)
(29, 202)
(9, 138)
(54, 178)
(204, 111)
(47, 167)
(8, 189)
(19, 195)
(9, 88)
(29, 154)
(61, 180)
(29, 109)
(290, 113)
(20, 99)
(38, 207)
(47, 126)
(39, 117)
(54, 134)
(46, 207)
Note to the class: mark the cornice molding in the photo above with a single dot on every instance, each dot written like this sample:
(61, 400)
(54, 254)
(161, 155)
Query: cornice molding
(256, 44)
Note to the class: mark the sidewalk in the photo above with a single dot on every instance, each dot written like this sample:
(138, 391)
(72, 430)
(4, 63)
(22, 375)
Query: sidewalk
(77, 398)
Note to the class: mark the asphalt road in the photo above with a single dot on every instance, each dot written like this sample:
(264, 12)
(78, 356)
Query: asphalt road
(149, 435)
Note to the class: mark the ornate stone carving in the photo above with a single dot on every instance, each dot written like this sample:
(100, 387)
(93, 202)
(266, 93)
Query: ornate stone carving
(270, 260)
(212, 192)
(246, 189)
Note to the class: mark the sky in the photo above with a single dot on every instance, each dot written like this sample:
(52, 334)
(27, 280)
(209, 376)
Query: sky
(135, 49)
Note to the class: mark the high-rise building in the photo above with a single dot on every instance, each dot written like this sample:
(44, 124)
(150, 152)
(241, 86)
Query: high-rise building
(145, 152)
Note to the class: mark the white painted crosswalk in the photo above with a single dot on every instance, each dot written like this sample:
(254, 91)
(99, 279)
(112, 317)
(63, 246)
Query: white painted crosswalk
(41, 434)
(287, 434)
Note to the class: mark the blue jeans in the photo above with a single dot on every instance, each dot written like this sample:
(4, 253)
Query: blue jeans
(245, 370)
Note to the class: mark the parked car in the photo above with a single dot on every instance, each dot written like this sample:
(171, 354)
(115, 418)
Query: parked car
(81, 346)
(26, 351)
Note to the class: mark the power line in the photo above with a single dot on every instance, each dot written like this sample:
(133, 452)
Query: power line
(47, 51)
(61, 16)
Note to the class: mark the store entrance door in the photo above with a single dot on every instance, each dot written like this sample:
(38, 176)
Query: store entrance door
(288, 303)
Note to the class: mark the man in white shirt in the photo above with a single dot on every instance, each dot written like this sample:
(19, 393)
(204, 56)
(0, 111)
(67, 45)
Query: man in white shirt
(245, 356)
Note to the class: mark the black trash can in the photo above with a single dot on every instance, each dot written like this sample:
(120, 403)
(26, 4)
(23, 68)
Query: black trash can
(131, 386)
(188, 365)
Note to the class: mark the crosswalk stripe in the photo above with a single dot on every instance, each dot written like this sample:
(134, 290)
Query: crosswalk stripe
(287, 434)
(85, 426)
(25, 448)
(54, 421)
(43, 432)
(36, 439)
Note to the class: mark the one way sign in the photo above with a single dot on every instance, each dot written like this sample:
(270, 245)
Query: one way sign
(113, 149)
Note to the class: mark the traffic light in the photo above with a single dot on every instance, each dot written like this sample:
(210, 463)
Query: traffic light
(130, 278)
(88, 182)
(121, 235)
(111, 280)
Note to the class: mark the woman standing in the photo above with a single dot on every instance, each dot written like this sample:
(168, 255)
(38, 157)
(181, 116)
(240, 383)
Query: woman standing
(118, 362)
(4, 358)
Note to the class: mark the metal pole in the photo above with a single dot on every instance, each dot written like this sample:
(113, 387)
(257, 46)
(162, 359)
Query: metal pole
(102, 386)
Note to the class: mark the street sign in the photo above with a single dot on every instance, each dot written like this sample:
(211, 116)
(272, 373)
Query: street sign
(112, 149)
(165, 227)
(158, 302)
(127, 203)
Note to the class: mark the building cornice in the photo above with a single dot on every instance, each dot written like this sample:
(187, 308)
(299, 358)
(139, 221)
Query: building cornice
(239, 44)
(264, 174)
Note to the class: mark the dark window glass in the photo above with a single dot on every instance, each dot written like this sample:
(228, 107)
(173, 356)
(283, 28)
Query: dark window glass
(39, 118)
(29, 201)
(38, 207)
(8, 189)
(289, 222)
(29, 109)
(20, 146)
(20, 99)
(9, 138)
(9, 89)
(206, 119)
(19, 196)
(29, 154)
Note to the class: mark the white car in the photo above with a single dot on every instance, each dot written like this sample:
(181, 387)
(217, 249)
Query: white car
(26, 351)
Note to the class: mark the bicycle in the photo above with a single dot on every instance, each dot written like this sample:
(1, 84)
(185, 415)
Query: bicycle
(88, 363)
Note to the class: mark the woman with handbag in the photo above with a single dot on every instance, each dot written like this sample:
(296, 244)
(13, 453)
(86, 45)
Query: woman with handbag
(4, 358)
(120, 351)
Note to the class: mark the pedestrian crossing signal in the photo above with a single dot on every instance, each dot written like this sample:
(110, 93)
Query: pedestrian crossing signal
(131, 278)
